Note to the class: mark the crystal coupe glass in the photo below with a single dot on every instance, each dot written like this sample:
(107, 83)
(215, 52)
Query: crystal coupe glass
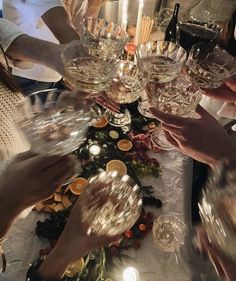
(159, 62)
(213, 69)
(52, 123)
(110, 204)
(127, 87)
(178, 97)
(105, 42)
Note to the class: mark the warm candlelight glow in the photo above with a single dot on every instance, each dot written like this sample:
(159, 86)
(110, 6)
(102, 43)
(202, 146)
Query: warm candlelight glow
(139, 21)
(130, 274)
(95, 149)
(124, 14)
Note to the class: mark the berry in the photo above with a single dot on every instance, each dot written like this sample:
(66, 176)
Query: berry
(129, 234)
(142, 227)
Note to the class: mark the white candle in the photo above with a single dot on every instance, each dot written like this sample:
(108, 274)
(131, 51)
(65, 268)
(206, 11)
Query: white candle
(139, 21)
(124, 14)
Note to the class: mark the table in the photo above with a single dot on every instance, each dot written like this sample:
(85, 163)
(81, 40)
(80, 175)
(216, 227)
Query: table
(173, 187)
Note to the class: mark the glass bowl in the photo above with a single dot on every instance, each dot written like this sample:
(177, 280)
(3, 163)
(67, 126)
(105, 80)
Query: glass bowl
(52, 123)
(103, 39)
(110, 204)
(160, 61)
(212, 71)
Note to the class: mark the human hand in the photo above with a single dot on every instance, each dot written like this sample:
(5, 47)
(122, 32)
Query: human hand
(82, 100)
(64, 52)
(203, 139)
(32, 178)
(73, 244)
(226, 92)
(225, 267)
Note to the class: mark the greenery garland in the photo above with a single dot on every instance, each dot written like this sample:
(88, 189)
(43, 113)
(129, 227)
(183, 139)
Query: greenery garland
(97, 263)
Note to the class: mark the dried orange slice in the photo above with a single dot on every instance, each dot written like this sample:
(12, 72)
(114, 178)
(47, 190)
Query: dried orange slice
(124, 145)
(101, 122)
(116, 165)
(75, 268)
(78, 185)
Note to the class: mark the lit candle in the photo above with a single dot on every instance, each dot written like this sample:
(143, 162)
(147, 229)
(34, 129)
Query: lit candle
(95, 149)
(124, 14)
(130, 274)
(139, 21)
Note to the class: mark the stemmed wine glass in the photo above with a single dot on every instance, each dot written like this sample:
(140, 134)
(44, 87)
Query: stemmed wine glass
(110, 204)
(94, 72)
(127, 86)
(52, 122)
(159, 62)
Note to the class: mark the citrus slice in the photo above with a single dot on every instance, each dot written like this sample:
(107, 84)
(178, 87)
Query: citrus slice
(124, 145)
(116, 165)
(75, 268)
(114, 134)
(78, 185)
(101, 122)
(130, 48)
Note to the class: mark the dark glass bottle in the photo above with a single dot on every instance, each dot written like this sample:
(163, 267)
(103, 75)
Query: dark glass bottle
(171, 33)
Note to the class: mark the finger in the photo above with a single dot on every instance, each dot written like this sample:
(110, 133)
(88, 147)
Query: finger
(25, 155)
(107, 104)
(60, 169)
(110, 101)
(173, 130)
(170, 138)
(174, 121)
(232, 85)
(202, 112)
(42, 162)
(222, 93)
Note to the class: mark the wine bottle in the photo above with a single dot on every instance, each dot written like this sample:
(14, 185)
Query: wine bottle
(171, 33)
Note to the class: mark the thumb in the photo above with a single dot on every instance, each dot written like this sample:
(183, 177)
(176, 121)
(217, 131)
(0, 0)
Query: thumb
(232, 85)
(202, 112)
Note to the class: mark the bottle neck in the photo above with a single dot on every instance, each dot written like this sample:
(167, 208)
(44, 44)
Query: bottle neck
(176, 12)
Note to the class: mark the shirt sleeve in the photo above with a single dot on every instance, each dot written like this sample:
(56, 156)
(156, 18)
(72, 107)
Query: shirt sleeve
(8, 33)
(42, 6)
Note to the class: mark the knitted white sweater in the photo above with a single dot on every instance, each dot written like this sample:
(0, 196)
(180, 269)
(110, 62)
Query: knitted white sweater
(12, 140)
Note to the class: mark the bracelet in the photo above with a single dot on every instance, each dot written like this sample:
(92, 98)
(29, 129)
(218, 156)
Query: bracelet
(4, 260)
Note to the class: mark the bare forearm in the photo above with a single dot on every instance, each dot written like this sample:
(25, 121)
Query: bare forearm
(59, 23)
(26, 48)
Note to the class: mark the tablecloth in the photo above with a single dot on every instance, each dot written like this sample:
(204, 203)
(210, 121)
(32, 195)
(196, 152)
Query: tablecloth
(173, 187)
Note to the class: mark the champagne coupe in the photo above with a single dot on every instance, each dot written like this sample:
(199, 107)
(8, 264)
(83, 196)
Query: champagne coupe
(218, 208)
(126, 88)
(159, 62)
(52, 123)
(178, 97)
(110, 204)
(190, 33)
(169, 232)
(211, 70)
(94, 72)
